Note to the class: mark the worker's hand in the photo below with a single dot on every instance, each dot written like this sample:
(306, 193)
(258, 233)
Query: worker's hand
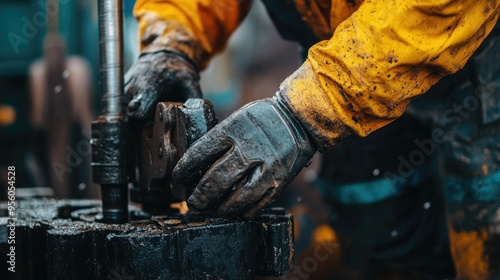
(245, 161)
(157, 77)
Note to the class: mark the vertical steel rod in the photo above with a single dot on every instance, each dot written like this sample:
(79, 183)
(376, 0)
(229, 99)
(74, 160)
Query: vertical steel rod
(111, 50)
(109, 157)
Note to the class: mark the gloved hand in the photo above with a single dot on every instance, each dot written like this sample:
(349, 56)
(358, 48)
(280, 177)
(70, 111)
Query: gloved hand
(245, 161)
(159, 76)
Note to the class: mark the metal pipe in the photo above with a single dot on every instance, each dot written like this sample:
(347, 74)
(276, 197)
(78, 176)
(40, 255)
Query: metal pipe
(114, 204)
(111, 50)
(109, 136)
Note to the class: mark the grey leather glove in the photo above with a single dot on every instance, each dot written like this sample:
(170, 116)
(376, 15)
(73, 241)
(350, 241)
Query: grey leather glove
(157, 77)
(245, 161)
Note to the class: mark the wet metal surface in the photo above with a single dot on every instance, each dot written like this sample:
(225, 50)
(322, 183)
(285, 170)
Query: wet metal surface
(52, 242)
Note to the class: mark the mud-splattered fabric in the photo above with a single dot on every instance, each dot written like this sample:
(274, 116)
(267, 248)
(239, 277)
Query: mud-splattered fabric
(198, 29)
(378, 59)
(381, 57)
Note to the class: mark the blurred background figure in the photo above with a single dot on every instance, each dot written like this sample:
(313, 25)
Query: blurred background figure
(61, 113)
(61, 92)
(47, 103)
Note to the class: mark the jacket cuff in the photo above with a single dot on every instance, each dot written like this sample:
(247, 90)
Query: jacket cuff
(313, 108)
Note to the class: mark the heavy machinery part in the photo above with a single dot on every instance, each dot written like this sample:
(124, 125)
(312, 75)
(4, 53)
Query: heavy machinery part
(110, 166)
(114, 148)
(50, 245)
(176, 127)
(110, 159)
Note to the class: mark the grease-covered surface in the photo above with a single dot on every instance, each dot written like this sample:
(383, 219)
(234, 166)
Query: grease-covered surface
(60, 240)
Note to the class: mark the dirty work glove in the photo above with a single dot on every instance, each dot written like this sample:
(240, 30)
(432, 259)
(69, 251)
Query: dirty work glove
(159, 76)
(245, 161)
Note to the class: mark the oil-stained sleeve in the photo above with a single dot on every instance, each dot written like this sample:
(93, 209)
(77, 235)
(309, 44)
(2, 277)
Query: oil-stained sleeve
(381, 57)
(196, 28)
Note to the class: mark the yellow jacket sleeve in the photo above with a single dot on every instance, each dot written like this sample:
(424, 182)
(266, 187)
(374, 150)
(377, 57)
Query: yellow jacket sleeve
(383, 55)
(195, 28)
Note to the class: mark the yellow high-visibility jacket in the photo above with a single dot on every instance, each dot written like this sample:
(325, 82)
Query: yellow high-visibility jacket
(374, 58)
